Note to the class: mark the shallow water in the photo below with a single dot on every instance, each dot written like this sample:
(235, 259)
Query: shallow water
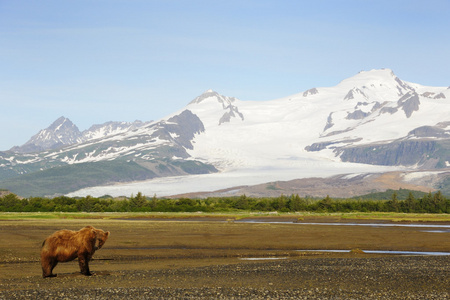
(437, 228)
(262, 258)
(389, 252)
(384, 252)
(437, 231)
(353, 224)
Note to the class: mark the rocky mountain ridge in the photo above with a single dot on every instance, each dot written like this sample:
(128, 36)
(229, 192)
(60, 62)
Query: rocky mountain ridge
(63, 132)
(150, 150)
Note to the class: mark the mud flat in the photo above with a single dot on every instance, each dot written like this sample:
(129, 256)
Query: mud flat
(223, 259)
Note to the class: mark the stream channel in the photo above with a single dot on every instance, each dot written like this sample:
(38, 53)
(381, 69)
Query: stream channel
(431, 228)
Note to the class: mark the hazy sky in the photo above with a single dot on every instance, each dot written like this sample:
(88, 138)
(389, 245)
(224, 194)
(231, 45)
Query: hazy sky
(121, 60)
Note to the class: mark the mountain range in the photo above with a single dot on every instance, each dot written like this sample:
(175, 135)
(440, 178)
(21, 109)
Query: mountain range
(371, 123)
(63, 132)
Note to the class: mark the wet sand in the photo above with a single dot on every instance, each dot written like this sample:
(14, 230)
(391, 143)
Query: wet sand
(198, 259)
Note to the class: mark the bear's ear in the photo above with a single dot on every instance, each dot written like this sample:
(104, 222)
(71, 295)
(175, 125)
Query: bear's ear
(93, 233)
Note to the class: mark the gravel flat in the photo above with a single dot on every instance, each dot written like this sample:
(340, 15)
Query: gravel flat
(388, 277)
(199, 259)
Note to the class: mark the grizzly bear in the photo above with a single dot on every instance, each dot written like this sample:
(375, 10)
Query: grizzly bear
(66, 245)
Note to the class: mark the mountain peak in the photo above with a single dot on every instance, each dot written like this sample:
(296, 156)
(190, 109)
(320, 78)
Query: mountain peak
(376, 79)
(374, 75)
(380, 72)
(61, 132)
(207, 94)
(61, 123)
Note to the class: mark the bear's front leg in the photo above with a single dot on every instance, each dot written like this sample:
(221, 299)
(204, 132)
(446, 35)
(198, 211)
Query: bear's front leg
(47, 267)
(83, 261)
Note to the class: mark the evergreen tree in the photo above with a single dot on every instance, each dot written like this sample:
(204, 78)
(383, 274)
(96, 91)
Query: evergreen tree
(137, 202)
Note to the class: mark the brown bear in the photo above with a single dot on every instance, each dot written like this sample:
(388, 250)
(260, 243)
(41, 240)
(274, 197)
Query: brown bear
(66, 245)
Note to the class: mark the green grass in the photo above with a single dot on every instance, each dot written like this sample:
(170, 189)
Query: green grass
(396, 217)
(20, 216)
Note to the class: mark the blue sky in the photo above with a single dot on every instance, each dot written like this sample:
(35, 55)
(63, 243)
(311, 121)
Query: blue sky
(121, 60)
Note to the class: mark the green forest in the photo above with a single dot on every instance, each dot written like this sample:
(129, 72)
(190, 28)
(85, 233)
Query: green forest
(400, 201)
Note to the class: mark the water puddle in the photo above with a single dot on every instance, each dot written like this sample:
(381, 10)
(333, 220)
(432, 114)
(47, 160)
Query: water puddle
(437, 228)
(392, 252)
(262, 258)
(353, 224)
(437, 231)
(388, 252)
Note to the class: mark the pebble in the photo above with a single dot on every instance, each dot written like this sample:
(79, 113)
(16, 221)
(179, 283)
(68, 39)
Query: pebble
(400, 277)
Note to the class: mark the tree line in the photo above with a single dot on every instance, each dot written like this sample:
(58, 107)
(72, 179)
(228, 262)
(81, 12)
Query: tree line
(428, 203)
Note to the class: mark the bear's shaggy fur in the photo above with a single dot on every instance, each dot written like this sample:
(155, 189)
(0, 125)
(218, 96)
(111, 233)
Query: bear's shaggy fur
(66, 245)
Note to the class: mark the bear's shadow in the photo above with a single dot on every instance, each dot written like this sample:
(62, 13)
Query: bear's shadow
(78, 274)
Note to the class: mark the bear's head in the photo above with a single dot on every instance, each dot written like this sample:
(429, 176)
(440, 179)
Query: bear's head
(96, 237)
(101, 238)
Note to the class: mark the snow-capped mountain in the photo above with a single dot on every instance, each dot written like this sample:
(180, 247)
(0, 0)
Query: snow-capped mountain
(370, 110)
(371, 122)
(63, 132)
(110, 154)
(110, 128)
(59, 133)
